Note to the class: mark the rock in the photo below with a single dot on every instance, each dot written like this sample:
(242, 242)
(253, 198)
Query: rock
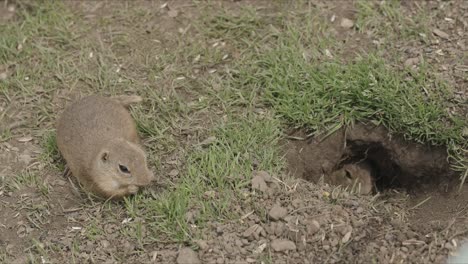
(260, 248)
(278, 228)
(202, 244)
(187, 256)
(258, 183)
(346, 237)
(282, 245)
(411, 61)
(208, 141)
(254, 230)
(25, 159)
(265, 175)
(346, 23)
(277, 212)
(173, 173)
(312, 227)
(440, 33)
(296, 203)
(448, 246)
(219, 230)
(190, 216)
(173, 13)
(209, 194)
(105, 243)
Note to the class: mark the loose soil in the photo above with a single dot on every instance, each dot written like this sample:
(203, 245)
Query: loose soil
(422, 172)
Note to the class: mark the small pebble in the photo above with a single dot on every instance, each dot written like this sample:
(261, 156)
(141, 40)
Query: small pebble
(282, 245)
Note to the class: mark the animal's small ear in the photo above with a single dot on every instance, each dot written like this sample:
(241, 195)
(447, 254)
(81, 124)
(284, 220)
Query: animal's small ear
(105, 155)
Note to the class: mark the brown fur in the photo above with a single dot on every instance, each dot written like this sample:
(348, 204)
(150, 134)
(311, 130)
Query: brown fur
(358, 175)
(96, 136)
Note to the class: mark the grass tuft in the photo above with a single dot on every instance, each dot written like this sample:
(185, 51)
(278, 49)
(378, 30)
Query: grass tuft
(327, 95)
(214, 176)
(389, 19)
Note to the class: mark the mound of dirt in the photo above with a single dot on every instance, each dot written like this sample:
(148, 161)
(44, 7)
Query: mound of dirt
(397, 163)
(301, 222)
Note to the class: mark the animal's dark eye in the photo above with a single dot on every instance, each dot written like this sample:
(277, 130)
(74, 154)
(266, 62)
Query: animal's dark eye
(348, 175)
(124, 169)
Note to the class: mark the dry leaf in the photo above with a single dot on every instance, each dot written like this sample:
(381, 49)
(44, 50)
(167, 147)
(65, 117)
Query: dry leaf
(346, 237)
(173, 173)
(24, 139)
(440, 33)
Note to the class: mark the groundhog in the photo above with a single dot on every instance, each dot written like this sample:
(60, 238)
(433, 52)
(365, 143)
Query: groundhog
(98, 139)
(357, 175)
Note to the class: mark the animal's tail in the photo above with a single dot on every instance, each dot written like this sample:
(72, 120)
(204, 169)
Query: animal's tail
(127, 100)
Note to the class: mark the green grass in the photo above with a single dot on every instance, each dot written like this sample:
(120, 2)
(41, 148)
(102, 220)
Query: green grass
(93, 231)
(5, 135)
(224, 167)
(325, 96)
(388, 19)
(50, 153)
(24, 179)
(40, 39)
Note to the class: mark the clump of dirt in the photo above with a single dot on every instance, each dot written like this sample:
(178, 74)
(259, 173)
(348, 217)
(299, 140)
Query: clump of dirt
(396, 163)
(420, 173)
(295, 221)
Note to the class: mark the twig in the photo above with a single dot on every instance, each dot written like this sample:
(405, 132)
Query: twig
(421, 203)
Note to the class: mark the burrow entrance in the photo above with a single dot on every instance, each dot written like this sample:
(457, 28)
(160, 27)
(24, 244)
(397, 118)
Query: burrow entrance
(368, 151)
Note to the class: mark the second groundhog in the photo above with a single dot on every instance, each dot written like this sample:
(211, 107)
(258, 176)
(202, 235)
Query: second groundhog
(358, 175)
(98, 139)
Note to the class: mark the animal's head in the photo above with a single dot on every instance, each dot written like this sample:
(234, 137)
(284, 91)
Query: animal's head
(121, 168)
(353, 175)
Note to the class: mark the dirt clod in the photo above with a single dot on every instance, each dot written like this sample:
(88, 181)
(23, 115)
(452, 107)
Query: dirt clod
(258, 183)
(411, 62)
(396, 162)
(283, 245)
(312, 226)
(277, 212)
(264, 175)
(173, 13)
(253, 231)
(187, 256)
(202, 244)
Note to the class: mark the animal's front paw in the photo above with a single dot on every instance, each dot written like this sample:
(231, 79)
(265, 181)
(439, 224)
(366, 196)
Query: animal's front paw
(132, 189)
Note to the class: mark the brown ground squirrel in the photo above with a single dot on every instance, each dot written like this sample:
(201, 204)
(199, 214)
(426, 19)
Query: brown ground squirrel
(357, 175)
(98, 139)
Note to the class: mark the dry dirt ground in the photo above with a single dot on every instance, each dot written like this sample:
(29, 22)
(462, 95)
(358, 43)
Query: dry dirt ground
(276, 213)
